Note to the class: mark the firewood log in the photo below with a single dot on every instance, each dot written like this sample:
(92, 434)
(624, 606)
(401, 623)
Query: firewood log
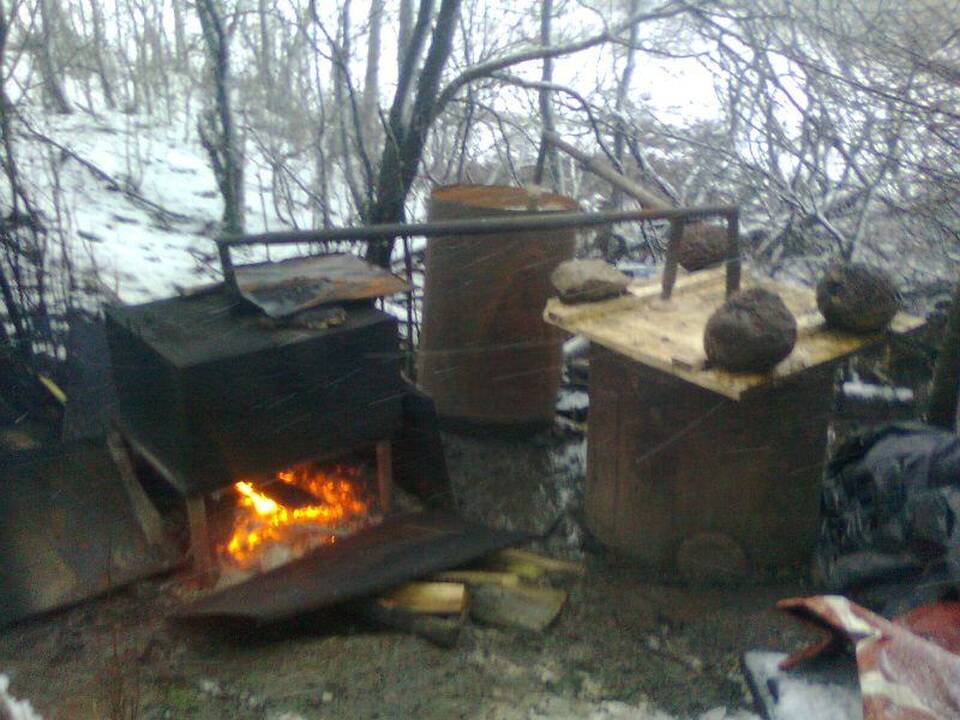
(529, 608)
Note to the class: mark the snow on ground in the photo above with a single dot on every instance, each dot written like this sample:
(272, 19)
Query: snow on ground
(800, 695)
(866, 391)
(135, 255)
(11, 708)
(138, 254)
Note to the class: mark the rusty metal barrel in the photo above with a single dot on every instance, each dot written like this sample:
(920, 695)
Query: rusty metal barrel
(486, 356)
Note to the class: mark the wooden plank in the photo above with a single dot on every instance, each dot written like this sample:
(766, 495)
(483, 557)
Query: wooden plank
(203, 562)
(544, 562)
(385, 475)
(442, 632)
(668, 334)
(529, 608)
(478, 577)
(150, 520)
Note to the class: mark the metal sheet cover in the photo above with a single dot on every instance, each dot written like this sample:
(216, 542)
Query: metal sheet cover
(69, 530)
(402, 548)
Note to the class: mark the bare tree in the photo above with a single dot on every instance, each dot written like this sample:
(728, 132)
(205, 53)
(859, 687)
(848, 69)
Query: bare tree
(216, 128)
(50, 69)
(369, 114)
(405, 141)
(942, 409)
(832, 111)
(547, 155)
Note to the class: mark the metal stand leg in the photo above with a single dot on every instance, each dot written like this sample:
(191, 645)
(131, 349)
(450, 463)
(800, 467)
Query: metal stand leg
(384, 474)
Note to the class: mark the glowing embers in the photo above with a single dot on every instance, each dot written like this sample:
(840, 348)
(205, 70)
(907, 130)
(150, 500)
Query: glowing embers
(301, 508)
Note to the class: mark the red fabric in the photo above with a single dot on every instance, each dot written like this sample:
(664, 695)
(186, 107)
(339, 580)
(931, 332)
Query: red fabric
(939, 623)
(903, 675)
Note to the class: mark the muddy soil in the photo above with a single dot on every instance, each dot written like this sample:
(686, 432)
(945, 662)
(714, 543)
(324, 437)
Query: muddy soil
(621, 647)
(625, 646)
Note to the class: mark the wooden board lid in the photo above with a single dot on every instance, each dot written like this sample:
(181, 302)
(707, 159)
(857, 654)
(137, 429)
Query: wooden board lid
(668, 335)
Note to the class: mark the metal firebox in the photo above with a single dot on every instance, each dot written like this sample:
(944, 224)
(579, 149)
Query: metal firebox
(217, 392)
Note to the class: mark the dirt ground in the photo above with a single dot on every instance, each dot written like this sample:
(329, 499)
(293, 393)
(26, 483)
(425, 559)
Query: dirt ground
(621, 647)
(624, 647)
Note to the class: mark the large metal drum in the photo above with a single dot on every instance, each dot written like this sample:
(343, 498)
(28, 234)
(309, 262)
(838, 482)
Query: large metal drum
(486, 356)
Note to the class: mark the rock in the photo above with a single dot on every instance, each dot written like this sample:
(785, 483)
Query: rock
(857, 298)
(701, 246)
(751, 332)
(588, 281)
(515, 483)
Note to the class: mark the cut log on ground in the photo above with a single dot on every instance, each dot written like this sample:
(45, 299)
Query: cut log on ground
(478, 577)
(442, 632)
(531, 565)
(431, 598)
(549, 564)
(529, 608)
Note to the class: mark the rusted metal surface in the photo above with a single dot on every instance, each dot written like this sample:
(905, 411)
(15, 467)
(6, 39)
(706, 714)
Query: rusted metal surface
(733, 253)
(403, 547)
(71, 528)
(485, 355)
(902, 675)
(284, 288)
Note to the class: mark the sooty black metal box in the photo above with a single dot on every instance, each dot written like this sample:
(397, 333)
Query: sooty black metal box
(218, 392)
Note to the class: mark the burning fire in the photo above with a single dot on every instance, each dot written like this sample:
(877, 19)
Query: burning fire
(267, 533)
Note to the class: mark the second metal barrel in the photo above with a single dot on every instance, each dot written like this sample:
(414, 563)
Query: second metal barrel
(486, 356)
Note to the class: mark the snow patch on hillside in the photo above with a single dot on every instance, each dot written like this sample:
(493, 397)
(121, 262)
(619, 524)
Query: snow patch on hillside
(132, 251)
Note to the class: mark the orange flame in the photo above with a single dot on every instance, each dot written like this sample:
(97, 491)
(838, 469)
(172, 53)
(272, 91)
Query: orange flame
(262, 524)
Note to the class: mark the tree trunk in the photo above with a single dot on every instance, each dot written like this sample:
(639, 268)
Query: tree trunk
(547, 159)
(9, 164)
(402, 152)
(405, 21)
(96, 16)
(222, 149)
(48, 68)
(623, 88)
(341, 145)
(266, 52)
(371, 82)
(942, 410)
(179, 34)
